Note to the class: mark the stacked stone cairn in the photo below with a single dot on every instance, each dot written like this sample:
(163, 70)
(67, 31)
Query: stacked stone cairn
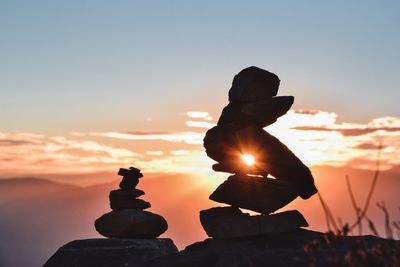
(267, 175)
(132, 232)
(128, 218)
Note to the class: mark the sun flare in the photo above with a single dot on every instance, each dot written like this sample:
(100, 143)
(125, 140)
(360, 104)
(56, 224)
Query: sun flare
(248, 159)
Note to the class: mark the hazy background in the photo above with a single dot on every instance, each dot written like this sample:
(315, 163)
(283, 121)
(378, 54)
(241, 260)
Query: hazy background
(90, 86)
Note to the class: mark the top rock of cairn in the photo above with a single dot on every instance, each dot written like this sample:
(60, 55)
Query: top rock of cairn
(253, 100)
(253, 84)
(241, 146)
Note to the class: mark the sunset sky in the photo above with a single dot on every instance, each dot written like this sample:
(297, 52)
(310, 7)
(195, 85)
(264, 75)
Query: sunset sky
(90, 86)
(87, 85)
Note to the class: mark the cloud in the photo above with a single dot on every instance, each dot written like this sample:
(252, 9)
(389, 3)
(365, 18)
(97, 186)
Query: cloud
(200, 124)
(180, 161)
(6, 142)
(155, 153)
(306, 111)
(179, 152)
(348, 131)
(186, 137)
(199, 115)
(369, 146)
(383, 124)
(203, 121)
(317, 138)
(314, 136)
(32, 154)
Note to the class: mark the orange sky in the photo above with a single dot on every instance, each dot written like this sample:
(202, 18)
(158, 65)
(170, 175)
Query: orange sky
(315, 136)
(331, 148)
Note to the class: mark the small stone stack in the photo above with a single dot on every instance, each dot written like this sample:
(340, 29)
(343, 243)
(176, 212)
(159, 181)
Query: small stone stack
(253, 105)
(128, 218)
(132, 232)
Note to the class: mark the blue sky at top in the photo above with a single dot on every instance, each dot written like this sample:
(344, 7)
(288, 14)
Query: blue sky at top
(103, 65)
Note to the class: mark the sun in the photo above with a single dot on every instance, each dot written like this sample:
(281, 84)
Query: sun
(248, 159)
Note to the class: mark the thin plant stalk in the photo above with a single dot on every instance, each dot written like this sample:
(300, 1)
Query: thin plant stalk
(372, 188)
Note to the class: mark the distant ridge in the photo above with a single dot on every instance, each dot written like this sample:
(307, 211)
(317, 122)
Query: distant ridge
(32, 181)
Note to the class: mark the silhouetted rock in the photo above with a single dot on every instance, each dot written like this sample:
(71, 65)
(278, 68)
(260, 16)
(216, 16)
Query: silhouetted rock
(133, 230)
(268, 109)
(226, 145)
(241, 146)
(206, 216)
(134, 169)
(101, 252)
(128, 182)
(233, 167)
(130, 178)
(253, 84)
(132, 172)
(263, 195)
(128, 220)
(295, 248)
(131, 223)
(259, 113)
(120, 204)
(126, 193)
(228, 222)
(123, 198)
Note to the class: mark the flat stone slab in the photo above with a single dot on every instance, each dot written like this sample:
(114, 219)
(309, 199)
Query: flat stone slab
(229, 222)
(131, 223)
(126, 193)
(126, 199)
(260, 194)
(102, 252)
(259, 114)
(121, 204)
(263, 112)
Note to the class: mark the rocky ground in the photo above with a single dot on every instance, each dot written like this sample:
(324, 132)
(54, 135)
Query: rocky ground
(298, 248)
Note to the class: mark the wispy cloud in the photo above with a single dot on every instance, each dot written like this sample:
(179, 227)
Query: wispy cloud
(369, 146)
(384, 124)
(181, 152)
(200, 124)
(318, 139)
(186, 137)
(155, 153)
(315, 136)
(199, 115)
(30, 154)
(193, 161)
(203, 119)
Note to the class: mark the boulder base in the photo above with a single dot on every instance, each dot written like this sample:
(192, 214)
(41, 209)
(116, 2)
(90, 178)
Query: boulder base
(229, 222)
(131, 223)
(296, 248)
(101, 252)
